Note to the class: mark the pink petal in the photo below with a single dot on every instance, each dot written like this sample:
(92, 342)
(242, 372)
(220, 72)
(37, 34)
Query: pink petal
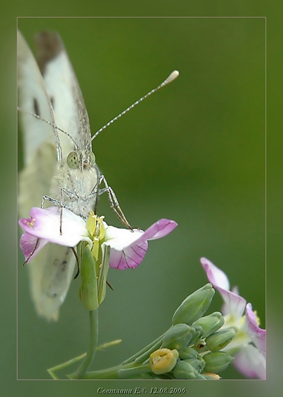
(45, 224)
(257, 334)
(159, 229)
(234, 304)
(250, 362)
(129, 250)
(215, 276)
(28, 244)
(128, 258)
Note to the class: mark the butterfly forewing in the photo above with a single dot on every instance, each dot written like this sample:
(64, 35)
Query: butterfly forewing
(33, 99)
(64, 92)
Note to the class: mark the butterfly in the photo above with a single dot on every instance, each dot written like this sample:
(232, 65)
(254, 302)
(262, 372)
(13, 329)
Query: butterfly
(59, 165)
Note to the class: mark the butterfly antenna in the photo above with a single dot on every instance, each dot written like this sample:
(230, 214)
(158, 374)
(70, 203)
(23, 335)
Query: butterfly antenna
(48, 122)
(169, 79)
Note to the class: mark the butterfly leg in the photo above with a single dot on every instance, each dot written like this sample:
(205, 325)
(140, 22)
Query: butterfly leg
(51, 200)
(59, 204)
(114, 204)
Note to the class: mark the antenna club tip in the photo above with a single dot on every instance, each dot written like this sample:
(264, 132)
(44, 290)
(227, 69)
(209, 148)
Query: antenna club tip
(172, 76)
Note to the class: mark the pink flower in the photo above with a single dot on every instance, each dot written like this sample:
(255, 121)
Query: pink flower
(250, 340)
(128, 247)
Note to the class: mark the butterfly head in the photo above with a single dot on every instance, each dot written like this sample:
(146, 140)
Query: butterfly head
(81, 159)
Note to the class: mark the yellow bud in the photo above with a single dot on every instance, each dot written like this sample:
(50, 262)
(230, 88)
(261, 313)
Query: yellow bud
(163, 360)
(212, 375)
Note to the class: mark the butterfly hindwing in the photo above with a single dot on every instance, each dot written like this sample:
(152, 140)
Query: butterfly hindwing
(52, 269)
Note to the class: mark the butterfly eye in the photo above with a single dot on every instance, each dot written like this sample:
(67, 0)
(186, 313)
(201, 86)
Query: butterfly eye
(72, 160)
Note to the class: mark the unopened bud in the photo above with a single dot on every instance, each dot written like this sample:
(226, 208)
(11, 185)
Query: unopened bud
(88, 288)
(220, 339)
(184, 370)
(197, 363)
(210, 324)
(198, 336)
(188, 353)
(200, 346)
(211, 376)
(194, 306)
(217, 361)
(163, 360)
(178, 337)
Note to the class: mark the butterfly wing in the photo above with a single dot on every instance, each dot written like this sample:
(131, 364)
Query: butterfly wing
(52, 269)
(63, 89)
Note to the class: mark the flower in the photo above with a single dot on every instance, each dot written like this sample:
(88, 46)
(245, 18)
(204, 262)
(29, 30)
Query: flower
(127, 247)
(250, 340)
(44, 227)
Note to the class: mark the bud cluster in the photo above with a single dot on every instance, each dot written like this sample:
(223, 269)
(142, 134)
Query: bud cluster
(192, 347)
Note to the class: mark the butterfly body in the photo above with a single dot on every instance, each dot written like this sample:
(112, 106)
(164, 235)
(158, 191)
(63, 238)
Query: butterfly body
(76, 185)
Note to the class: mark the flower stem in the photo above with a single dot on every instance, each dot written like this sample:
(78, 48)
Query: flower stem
(74, 360)
(140, 359)
(144, 350)
(64, 365)
(118, 372)
(93, 321)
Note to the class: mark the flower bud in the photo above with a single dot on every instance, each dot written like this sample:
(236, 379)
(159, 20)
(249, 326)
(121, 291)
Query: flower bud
(184, 370)
(211, 376)
(200, 376)
(88, 288)
(220, 339)
(210, 324)
(194, 306)
(197, 363)
(198, 336)
(163, 360)
(217, 361)
(200, 346)
(188, 353)
(178, 337)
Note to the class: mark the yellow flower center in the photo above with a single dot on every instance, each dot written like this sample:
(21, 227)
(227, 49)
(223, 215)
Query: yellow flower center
(31, 223)
(96, 230)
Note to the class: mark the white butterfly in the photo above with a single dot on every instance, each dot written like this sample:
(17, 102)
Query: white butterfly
(59, 165)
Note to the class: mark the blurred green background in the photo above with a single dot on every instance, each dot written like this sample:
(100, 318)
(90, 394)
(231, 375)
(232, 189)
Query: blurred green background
(194, 152)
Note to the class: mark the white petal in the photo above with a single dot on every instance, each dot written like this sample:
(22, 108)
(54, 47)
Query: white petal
(250, 362)
(216, 276)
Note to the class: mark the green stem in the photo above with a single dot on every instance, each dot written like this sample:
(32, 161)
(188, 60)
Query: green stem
(64, 365)
(140, 359)
(144, 350)
(93, 320)
(118, 372)
(74, 360)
